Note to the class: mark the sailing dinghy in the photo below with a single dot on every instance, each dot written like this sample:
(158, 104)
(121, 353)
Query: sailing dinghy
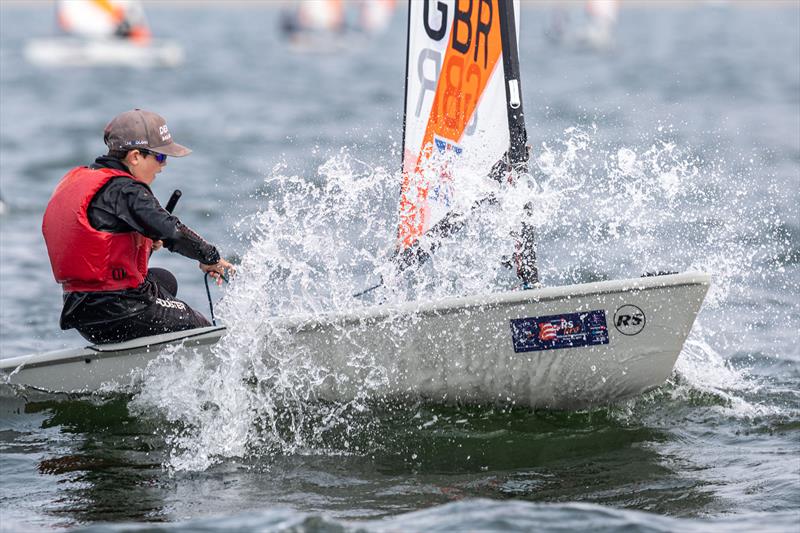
(556, 347)
(103, 33)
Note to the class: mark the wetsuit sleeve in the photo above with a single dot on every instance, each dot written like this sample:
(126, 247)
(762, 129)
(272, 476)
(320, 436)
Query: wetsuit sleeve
(134, 207)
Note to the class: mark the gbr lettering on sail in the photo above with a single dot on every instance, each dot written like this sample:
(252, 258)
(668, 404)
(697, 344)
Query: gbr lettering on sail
(455, 104)
(462, 78)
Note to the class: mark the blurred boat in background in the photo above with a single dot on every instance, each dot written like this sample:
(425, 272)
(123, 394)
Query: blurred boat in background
(103, 33)
(596, 32)
(375, 16)
(331, 25)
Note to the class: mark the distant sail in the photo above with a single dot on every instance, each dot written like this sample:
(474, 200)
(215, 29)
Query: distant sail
(599, 31)
(603, 11)
(104, 19)
(457, 111)
(376, 15)
(334, 26)
(325, 15)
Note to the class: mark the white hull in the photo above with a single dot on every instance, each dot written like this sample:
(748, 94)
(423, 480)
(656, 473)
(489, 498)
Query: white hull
(453, 349)
(78, 370)
(72, 52)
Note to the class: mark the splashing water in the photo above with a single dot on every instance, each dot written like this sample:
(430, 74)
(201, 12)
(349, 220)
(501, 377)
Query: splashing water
(602, 211)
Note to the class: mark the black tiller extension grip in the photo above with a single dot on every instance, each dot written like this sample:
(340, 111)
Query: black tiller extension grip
(173, 200)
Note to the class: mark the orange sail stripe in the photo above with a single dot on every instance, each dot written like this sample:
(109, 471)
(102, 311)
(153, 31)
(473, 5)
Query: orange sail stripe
(117, 12)
(473, 51)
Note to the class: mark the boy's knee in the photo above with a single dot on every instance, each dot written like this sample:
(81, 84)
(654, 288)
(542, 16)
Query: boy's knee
(164, 279)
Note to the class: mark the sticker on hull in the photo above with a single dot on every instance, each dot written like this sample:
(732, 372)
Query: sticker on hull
(555, 332)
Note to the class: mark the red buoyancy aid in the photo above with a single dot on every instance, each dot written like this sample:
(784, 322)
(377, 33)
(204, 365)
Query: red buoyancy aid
(83, 258)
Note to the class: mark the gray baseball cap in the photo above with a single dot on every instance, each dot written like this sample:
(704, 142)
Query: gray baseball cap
(142, 129)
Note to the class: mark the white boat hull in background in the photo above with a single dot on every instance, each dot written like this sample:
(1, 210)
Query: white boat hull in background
(458, 349)
(73, 52)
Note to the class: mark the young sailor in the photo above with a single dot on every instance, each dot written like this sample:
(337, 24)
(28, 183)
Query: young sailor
(101, 225)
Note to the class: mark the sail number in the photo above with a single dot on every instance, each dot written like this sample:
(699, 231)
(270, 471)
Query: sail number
(463, 34)
(467, 63)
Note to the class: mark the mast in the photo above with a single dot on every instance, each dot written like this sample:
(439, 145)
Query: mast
(405, 92)
(516, 118)
(524, 256)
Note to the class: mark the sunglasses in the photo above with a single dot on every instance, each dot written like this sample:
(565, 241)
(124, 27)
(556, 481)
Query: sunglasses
(159, 157)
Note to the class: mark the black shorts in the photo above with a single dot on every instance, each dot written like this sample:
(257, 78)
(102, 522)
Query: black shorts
(166, 314)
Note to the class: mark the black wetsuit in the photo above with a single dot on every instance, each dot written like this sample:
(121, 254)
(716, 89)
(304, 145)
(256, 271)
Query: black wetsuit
(124, 205)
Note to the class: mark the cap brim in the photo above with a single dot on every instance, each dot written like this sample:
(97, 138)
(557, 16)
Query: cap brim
(172, 149)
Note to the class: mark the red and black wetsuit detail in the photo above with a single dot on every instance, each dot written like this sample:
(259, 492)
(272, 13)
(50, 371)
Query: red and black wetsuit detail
(83, 258)
(124, 205)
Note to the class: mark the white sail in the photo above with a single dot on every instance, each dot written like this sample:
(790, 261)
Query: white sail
(603, 11)
(456, 119)
(103, 19)
(376, 15)
(602, 18)
(325, 15)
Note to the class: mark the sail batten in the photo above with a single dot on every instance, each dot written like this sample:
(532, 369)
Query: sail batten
(461, 115)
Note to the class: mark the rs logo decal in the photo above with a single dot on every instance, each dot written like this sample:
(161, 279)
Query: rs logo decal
(629, 320)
